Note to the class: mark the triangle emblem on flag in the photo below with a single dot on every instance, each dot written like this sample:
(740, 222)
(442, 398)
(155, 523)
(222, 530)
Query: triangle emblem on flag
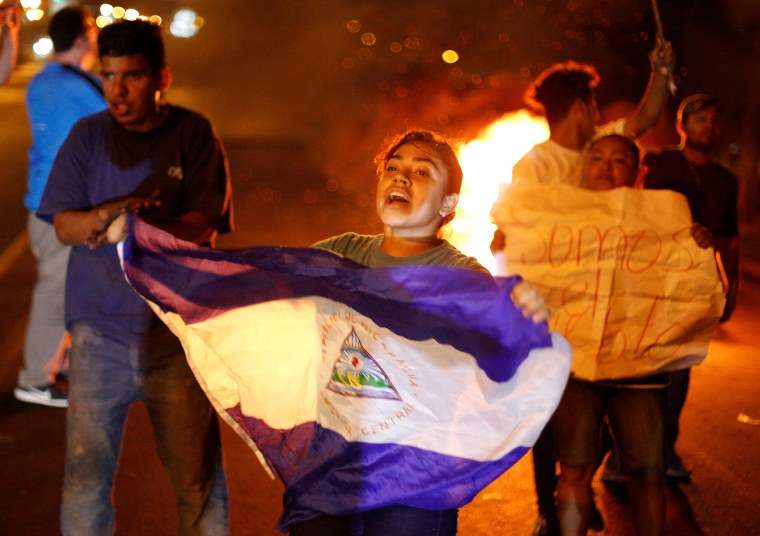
(357, 373)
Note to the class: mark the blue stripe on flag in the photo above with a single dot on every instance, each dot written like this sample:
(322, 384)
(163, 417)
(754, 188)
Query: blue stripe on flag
(339, 477)
(416, 302)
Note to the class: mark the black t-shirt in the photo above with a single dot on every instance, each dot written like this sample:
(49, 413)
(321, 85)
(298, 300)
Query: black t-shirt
(182, 160)
(711, 189)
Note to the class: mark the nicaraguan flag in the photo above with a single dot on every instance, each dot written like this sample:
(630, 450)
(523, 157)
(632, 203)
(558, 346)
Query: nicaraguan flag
(358, 387)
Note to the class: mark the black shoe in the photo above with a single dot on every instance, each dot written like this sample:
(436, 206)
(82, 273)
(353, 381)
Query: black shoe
(677, 473)
(674, 468)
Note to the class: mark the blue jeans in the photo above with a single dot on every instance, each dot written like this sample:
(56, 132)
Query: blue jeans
(105, 377)
(396, 520)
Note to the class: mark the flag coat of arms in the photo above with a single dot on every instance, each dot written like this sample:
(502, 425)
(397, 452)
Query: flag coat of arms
(359, 388)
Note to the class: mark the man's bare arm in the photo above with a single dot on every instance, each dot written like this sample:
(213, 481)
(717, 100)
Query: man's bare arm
(78, 227)
(655, 98)
(9, 44)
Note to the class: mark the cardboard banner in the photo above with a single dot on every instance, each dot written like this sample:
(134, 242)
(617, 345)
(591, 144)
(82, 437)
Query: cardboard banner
(626, 283)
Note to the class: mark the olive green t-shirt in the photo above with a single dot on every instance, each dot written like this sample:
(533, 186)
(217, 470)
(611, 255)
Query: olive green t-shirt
(367, 250)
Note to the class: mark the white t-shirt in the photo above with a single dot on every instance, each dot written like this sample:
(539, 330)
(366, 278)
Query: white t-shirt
(551, 163)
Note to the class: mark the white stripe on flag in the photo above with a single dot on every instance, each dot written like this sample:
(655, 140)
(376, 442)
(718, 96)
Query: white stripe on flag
(277, 360)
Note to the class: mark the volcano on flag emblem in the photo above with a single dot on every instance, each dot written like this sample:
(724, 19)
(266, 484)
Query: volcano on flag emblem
(356, 373)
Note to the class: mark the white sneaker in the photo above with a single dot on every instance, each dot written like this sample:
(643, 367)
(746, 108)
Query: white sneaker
(45, 395)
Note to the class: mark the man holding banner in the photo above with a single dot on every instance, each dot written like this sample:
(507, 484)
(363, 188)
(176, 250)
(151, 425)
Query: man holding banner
(565, 94)
(385, 388)
(615, 272)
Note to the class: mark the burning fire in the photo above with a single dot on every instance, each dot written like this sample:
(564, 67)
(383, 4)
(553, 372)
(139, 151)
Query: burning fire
(487, 166)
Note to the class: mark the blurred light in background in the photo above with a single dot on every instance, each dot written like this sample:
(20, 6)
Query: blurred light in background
(107, 14)
(32, 10)
(34, 14)
(369, 39)
(186, 23)
(110, 13)
(43, 47)
(450, 56)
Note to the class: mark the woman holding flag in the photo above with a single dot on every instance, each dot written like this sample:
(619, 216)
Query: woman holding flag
(419, 179)
(386, 387)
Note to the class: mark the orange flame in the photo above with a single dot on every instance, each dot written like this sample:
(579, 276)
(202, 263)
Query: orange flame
(487, 166)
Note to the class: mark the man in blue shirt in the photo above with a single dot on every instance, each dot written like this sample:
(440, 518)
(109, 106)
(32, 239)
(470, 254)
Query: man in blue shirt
(61, 94)
(168, 163)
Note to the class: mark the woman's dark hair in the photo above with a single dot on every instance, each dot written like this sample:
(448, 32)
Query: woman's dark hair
(132, 37)
(443, 151)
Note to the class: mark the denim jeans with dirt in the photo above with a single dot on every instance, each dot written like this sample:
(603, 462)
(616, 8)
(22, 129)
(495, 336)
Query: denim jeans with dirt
(105, 378)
